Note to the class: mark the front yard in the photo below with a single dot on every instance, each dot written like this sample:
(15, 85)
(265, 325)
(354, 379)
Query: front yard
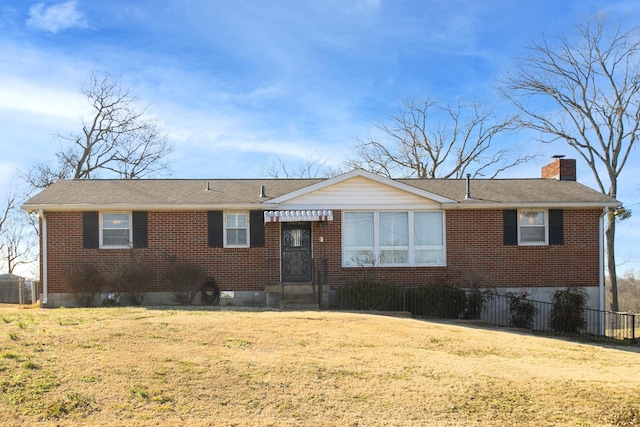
(146, 366)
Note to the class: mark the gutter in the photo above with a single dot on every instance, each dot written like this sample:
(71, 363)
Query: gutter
(44, 258)
(529, 205)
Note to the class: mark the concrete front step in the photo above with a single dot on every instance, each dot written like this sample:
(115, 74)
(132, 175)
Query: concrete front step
(293, 288)
(294, 296)
(298, 306)
(307, 296)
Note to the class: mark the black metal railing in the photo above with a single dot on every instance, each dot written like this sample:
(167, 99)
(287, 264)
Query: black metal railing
(488, 306)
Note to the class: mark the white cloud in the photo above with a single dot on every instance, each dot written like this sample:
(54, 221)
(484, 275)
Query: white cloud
(31, 98)
(56, 18)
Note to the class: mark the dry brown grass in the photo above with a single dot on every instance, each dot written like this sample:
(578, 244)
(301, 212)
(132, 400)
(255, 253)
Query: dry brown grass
(136, 366)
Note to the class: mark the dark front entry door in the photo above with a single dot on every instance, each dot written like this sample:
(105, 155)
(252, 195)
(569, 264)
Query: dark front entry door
(296, 252)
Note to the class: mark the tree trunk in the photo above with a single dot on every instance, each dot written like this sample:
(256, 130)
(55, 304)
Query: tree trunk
(610, 235)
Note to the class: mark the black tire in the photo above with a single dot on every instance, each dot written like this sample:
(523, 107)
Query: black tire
(210, 293)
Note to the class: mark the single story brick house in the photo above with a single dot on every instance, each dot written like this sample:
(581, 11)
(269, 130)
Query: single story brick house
(263, 238)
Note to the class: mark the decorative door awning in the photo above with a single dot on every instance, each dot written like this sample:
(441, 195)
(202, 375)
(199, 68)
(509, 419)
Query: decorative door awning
(294, 216)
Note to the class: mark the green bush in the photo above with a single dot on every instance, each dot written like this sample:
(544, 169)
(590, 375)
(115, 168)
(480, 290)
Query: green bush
(446, 302)
(522, 312)
(567, 310)
(84, 282)
(369, 295)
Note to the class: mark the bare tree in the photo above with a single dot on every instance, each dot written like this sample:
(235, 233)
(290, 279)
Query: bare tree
(593, 86)
(19, 244)
(433, 140)
(118, 139)
(18, 233)
(5, 211)
(313, 167)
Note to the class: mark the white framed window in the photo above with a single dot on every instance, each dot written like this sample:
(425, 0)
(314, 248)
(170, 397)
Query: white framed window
(428, 242)
(358, 239)
(236, 230)
(533, 227)
(393, 238)
(393, 234)
(115, 230)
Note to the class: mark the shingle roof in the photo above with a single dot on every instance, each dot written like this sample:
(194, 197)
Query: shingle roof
(164, 191)
(512, 190)
(193, 193)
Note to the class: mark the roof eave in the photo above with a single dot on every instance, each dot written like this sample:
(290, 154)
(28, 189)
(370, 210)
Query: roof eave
(275, 206)
(521, 205)
(145, 207)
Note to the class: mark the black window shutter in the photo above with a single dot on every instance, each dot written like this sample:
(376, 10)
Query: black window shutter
(140, 229)
(510, 223)
(215, 229)
(556, 227)
(256, 225)
(90, 230)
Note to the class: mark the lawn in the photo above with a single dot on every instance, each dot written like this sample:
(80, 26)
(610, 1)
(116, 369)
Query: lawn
(172, 366)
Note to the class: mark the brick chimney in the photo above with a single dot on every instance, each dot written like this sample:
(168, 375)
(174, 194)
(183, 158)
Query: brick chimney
(562, 169)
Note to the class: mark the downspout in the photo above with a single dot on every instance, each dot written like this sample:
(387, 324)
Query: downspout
(44, 260)
(601, 269)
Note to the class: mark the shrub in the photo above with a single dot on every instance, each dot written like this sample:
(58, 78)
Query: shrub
(446, 302)
(185, 281)
(132, 275)
(368, 295)
(567, 310)
(522, 312)
(476, 303)
(84, 282)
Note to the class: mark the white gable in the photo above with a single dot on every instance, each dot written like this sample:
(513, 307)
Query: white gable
(359, 192)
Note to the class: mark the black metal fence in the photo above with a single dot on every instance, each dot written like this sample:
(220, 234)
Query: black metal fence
(488, 306)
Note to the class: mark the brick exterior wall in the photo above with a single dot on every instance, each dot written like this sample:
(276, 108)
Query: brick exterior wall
(475, 253)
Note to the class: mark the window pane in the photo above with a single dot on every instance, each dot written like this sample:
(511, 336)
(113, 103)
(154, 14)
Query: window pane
(532, 226)
(116, 229)
(362, 258)
(236, 220)
(358, 229)
(394, 229)
(237, 237)
(532, 234)
(394, 256)
(532, 218)
(428, 229)
(429, 256)
(115, 237)
(358, 239)
(119, 221)
(236, 229)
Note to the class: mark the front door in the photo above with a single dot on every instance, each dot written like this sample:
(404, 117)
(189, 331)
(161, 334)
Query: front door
(296, 252)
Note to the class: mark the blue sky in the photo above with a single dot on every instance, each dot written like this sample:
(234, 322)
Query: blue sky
(238, 84)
